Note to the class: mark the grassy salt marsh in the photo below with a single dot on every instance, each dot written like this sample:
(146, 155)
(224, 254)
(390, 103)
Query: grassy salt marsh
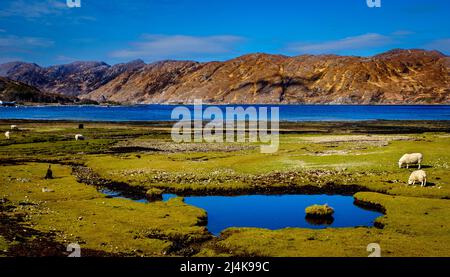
(357, 159)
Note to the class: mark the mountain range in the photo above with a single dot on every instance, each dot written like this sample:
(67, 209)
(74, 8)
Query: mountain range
(14, 91)
(394, 77)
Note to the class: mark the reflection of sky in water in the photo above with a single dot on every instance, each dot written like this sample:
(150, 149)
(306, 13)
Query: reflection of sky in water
(273, 211)
(115, 194)
(277, 212)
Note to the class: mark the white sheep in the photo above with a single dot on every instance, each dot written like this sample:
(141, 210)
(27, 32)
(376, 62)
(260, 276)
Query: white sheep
(8, 135)
(14, 127)
(79, 137)
(414, 158)
(418, 176)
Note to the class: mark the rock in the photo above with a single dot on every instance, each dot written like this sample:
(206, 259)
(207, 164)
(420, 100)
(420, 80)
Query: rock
(49, 174)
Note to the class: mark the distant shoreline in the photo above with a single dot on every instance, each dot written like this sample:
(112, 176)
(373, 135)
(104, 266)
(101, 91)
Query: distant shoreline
(170, 122)
(212, 104)
(372, 127)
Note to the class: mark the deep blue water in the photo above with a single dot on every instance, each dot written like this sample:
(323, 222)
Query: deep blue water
(272, 211)
(287, 112)
(278, 211)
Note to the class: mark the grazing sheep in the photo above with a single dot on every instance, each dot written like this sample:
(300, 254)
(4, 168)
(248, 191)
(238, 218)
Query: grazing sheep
(14, 127)
(414, 158)
(8, 135)
(79, 137)
(418, 176)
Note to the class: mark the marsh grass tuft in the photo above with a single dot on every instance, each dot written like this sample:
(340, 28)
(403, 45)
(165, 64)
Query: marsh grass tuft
(319, 211)
(154, 194)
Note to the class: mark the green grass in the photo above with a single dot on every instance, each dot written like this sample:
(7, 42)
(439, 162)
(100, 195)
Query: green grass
(80, 214)
(374, 167)
(417, 220)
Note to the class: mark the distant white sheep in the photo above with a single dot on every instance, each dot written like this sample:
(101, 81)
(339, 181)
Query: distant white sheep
(14, 127)
(418, 176)
(79, 137)
(408, 159)
(8, 135)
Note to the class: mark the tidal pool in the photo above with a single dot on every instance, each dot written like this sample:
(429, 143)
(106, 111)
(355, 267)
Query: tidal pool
(279, 211)
(274, 211)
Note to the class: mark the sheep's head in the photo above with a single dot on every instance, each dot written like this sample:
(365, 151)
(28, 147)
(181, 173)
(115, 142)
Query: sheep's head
(410, 181)
(400, 164)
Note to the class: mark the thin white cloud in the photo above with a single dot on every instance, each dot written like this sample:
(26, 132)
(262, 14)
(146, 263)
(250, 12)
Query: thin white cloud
(42, 10)
(85, 18)
(21, 44)
(403, 33)
(442, 45)
(155, 47)
(365, 41)
(66, 59)
(14, 41)
(33, 9)
(9, 59)
(84, 40)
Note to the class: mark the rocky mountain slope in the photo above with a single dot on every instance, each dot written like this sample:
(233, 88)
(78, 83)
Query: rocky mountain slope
(394, 77)
(14, 91)
(70, 79)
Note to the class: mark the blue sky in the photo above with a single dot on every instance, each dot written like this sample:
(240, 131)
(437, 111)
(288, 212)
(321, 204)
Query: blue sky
(48, 32)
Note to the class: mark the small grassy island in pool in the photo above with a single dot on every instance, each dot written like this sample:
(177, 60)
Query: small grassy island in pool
(319, 211)
(153, 194)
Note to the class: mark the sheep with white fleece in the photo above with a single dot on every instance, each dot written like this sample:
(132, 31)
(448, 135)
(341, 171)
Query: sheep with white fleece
(14, 127)
(418, 176)
(408, 159)
(79, 137)
(8, 135)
